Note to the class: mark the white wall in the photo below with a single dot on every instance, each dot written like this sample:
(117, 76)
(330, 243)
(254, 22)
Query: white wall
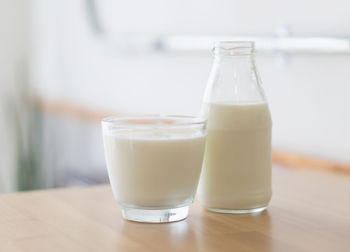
(308, 95)
(308, 18)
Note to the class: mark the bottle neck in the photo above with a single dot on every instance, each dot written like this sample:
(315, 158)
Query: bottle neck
(235, 65)
(236, 59)
(235, 53)
(234, 79)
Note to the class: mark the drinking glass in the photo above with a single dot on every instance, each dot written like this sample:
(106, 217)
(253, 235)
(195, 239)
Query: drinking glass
(154, 164)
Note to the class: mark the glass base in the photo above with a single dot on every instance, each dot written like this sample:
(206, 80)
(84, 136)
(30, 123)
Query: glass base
(238, 211)
(155, 215)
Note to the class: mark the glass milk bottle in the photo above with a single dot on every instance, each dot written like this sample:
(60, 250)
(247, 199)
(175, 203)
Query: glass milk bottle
(236, 175)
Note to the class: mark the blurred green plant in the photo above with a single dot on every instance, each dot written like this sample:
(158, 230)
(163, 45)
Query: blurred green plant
(26, 121)
(29, 170)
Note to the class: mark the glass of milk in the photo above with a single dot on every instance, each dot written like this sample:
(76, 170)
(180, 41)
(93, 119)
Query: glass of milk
(154, 164)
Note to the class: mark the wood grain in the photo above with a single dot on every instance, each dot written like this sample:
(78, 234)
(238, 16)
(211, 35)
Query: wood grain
(310, 211)
(69, 109)
(298, 161)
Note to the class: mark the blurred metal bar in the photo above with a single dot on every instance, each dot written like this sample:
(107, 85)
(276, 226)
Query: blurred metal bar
(263, 44)
(203, 43)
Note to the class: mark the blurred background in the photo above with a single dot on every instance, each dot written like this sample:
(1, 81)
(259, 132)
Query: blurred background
(66, 64)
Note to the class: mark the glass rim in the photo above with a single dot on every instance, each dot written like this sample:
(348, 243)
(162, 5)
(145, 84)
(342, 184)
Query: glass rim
(235, 43)
(153, 121)
(234, 48)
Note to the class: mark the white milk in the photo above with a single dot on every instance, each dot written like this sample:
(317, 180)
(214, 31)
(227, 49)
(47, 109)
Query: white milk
(237, 164)
(148, 169)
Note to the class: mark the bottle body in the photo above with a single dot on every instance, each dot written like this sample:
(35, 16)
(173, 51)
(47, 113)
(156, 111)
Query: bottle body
(236, 175)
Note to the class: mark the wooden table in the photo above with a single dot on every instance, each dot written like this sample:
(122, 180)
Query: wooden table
(310, 211)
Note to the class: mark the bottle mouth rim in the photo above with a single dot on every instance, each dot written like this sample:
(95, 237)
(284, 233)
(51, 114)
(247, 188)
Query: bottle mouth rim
(234, 48)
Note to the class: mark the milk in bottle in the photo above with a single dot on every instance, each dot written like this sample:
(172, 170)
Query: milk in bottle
(236, 175)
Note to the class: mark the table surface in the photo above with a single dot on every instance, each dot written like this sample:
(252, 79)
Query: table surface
(310, 211)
